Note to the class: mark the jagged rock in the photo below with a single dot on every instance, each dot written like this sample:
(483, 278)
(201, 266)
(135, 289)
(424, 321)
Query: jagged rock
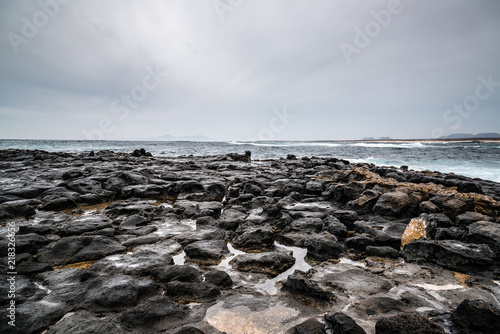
(231, 219)
(322, 247)
(422, 227)
(249, 239)
(407, 323)
(311, 225)
(429, 207)
(299, 284)
(346, 217)
(141, 153)
(393, 204)
(333, 225)
(270, 263)
(365, 203)
(484, 232)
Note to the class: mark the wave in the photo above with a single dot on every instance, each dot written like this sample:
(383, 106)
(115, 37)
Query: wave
(392, 145)
(287, 144)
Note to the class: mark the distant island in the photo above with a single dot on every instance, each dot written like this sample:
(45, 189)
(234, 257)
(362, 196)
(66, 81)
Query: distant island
(455, 137)
(472, 136)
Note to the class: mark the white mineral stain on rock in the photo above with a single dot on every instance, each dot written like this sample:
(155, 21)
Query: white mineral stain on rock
(433, 287)
(344, 260)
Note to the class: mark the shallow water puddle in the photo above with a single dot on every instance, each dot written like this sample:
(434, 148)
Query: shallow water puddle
(242, 319)
(179, 259)
(232, 254)
(299, 254)
(268, 285)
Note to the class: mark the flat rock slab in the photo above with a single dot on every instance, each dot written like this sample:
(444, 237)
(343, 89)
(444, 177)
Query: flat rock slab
(451, 254)
(78, 249)
(270, 264)
(206, 252)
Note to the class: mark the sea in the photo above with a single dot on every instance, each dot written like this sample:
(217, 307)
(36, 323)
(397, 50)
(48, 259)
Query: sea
(472, 159)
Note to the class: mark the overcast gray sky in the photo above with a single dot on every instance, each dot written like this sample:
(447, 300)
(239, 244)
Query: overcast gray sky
(248, 69)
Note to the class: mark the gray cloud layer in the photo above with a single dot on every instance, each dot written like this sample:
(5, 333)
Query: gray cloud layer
(234, 65)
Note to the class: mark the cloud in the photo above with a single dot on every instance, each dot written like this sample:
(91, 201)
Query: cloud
(227, 76)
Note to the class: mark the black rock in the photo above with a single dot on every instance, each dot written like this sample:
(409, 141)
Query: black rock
(141, 153)
(365, 203)
(9, 210)
(270, 263)
(190, 330)
(115, 293)
(152, 311)
(476, 316)
(59, 204)
(181, 273)
(192, 292)
(219, 278)
(407, 323)
(322, 247)
(299, 284)
(78, 249)
(383, 251)
(393, 204)
(453, 255)
(484, 232)
(311, 326)
(206, 252)
(140, 263)
(83, 322)
(250, 239)
(340, 323)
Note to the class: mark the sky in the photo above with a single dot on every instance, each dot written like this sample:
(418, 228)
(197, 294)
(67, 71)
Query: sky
(248, 69)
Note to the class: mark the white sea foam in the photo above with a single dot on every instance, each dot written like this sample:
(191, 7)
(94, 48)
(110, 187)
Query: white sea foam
(392, 145)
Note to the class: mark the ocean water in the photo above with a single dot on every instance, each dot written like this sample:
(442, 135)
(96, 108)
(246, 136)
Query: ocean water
(477, 160)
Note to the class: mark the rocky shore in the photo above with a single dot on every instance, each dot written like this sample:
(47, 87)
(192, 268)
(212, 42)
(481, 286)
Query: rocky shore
(130, 243)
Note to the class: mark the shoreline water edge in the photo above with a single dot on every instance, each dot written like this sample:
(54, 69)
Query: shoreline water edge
(122, 242)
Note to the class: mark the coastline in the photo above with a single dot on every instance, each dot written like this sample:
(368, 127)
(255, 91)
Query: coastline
(212, 244)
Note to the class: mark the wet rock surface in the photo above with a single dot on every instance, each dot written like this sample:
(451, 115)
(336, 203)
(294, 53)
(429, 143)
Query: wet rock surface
(131, 243)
